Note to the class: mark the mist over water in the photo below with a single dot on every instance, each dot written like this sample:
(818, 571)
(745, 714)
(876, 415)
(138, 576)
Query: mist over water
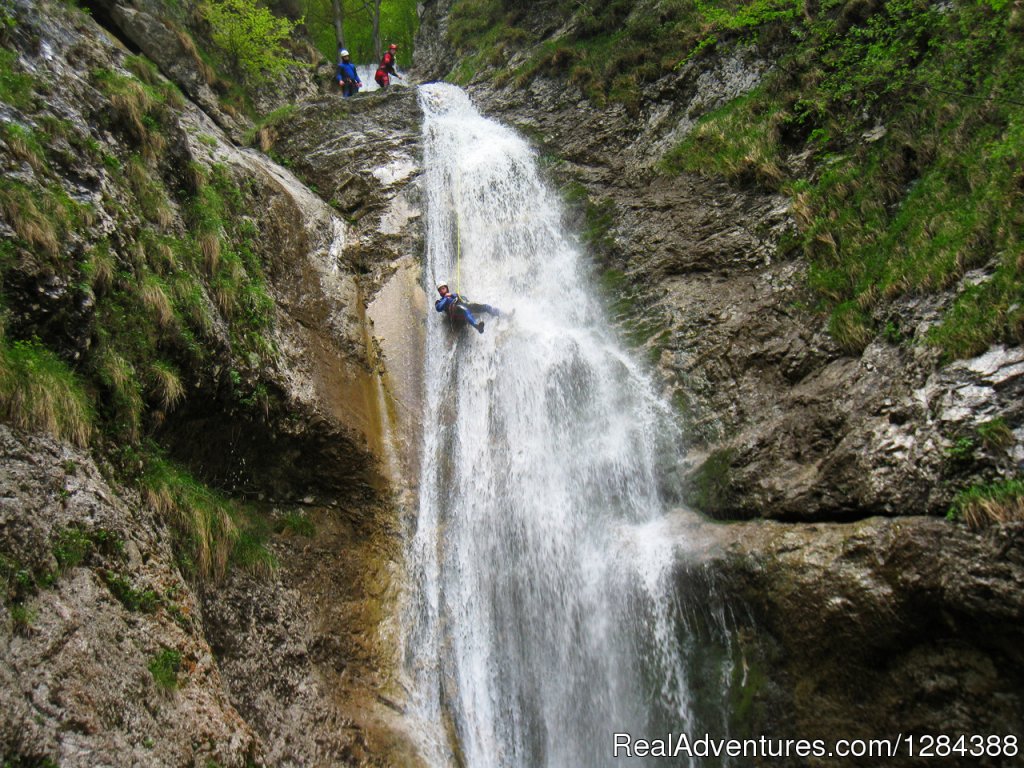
(540, 618)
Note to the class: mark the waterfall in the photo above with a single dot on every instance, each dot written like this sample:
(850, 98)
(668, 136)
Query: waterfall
(541, 619)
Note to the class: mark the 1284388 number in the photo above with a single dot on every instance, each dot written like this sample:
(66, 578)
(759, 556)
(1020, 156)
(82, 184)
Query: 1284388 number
(975, 746)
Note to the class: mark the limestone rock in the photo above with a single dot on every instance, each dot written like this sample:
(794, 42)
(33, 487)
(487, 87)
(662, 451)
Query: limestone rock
(434, 57)
(298, 652)
(871, 629)
(75, 682)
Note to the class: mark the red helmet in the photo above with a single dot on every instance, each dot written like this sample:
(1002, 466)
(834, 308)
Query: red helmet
(392, 47)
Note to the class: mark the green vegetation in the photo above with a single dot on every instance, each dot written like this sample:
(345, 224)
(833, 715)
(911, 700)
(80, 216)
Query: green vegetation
(24, 143)
(995, 434)
(38, 392)
(297, 524)
(250, 552)
(612, 51)
(161, 292)
(962, 450)
(262, 131)
(747, 683)
(739, 144)
(141, 104)
(251, 36)
(21, 761)
(398, 24)
(982, 505)
(155, 311)
(7, 21)
(20, 582)
(71, 548)
(145, 600)
(203, 520)
(914, 116)
(227, 240)
(23, 616)
(149, 192)
(41, 217)
(165, 667)
(710, 488)
(599, 215)
(212, 531)
(15, 86)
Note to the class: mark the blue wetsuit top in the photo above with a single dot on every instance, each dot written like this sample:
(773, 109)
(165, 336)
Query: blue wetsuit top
(446, 301)
(347, 71)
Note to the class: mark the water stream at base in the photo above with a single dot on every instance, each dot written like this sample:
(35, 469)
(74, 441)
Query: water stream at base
(541, 617)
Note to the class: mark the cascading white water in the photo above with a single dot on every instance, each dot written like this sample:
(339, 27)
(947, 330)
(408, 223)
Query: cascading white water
(539, 619)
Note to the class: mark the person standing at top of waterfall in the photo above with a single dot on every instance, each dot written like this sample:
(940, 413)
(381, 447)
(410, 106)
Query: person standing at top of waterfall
(387, 67)
(455, 305)
(348, 77)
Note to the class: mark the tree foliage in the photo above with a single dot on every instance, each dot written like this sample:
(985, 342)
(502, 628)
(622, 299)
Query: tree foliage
(398, 23)
(251, 36)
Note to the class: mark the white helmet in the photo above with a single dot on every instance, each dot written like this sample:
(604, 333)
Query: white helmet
(344, 53)
(441, 285)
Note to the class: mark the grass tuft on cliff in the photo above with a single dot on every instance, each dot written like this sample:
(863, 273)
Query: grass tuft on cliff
(16, 86)
(202, 519)
(212, 530)
(40, 393)
(611, 51)
(165, 667)
(983, 505)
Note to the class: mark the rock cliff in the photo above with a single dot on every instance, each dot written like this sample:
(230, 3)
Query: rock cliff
(200, 563)
(864, 630)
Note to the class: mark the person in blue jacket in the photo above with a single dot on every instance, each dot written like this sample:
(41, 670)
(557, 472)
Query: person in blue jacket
(454, 305)
(347, 76)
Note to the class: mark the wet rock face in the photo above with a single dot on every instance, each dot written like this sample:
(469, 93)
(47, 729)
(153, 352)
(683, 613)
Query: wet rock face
(363, 156)
(305, 655)
(314, 438)
(871, 629)
(107, 604)
(295, 652)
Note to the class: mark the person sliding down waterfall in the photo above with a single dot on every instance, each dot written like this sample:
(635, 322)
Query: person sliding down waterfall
(456, 306)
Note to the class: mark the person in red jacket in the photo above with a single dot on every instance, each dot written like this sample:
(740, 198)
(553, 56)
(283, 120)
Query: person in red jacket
(387, 67)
